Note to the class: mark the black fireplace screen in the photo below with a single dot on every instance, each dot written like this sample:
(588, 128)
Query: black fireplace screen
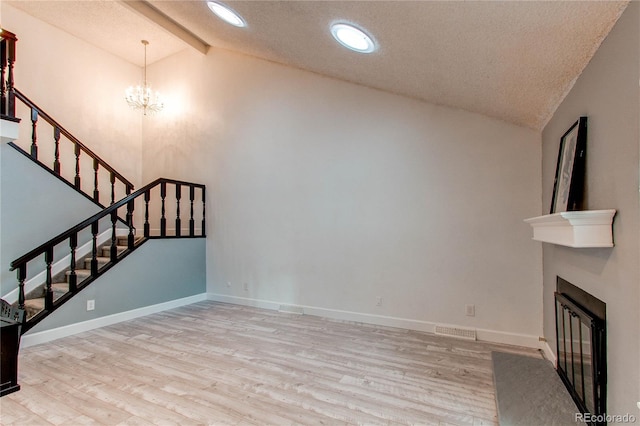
(581, 343)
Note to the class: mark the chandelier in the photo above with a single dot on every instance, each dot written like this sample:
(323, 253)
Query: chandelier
(142, 97)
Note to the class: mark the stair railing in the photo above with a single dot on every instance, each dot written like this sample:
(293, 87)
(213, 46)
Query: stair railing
(181, 229)
(79, 151)
(7, 59)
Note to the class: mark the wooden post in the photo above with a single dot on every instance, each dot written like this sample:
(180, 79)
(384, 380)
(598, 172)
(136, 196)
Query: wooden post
(130, 239)
(192, 224)
(73, 278)
(113, 187)
(204, 213)
(56, 154)
(3, 63)
(94, 249)
(34, 134)
(48, 295)
(163, 220)
(77, 178)
(96, 192)
(22, 275)
(147, 197)
(178, 195)
(114, 239)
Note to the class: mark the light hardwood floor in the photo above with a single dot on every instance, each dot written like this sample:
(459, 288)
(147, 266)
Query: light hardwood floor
(214, 363)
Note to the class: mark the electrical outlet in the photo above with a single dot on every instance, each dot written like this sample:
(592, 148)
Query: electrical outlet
(91, 305)
(245, 286)
(470, 310)
(378, 301)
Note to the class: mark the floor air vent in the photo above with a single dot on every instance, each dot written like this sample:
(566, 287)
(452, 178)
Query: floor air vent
(460, 333)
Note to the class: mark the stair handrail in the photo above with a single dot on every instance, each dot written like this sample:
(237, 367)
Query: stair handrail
(95, 218)
(40, 112)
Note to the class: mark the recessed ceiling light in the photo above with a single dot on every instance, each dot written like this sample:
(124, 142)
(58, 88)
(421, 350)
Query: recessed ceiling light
(353, 38)
(227, 14)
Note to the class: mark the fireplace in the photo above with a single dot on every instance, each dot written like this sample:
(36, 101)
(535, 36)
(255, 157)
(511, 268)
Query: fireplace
(581, 342)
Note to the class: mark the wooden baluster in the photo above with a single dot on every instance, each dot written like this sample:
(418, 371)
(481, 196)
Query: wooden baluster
(11, 57)
(192, 223)
(163, 220)
(131, 239)
(129, 189)
(94, 250)
(147, 197)
(73, 278)
(56, 154)
(34, 134)
(3, 89)
(114, 239)
(48, 295)
(204, 213)
(22, 275)
(77, 178)
(96, 192)
(113, 188)
(178, 195)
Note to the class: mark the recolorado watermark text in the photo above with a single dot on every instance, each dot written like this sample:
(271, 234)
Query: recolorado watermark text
(605, 418)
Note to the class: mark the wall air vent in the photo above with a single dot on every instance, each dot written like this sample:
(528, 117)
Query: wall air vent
(460, 333)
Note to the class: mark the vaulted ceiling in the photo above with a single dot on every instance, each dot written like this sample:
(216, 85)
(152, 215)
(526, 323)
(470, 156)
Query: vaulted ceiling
(512, 60)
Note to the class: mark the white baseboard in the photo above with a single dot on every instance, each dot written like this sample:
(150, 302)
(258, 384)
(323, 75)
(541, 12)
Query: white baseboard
(31, 339)
(62, 264)
(548, 353)
(492, 336)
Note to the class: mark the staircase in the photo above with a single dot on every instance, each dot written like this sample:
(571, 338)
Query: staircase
(97, 244)
(61, 282)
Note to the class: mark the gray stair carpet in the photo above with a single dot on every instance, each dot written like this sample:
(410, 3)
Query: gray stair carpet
(530, 392)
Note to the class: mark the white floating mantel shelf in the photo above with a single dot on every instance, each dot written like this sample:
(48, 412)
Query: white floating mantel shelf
(580, 229)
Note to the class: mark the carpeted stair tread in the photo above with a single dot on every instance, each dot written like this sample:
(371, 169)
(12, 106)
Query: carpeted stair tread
(60, 287)
(124, 241)
(33, 306)
(81, 274)
(106, 250)
(102, 260)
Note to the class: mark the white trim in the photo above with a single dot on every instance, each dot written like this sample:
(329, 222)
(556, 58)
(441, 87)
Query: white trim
(31, 339)
(548, 353)
(62, 264)
(587, 228)
(9, 131)
(493, 336)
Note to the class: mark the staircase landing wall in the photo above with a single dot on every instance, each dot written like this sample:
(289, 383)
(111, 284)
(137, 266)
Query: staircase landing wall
(35, 207)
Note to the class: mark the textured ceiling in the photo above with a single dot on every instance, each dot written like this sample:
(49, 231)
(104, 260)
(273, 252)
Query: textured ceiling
(511, 60)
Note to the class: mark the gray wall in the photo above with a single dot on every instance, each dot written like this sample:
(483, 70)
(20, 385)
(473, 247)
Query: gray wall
(606, 92)
(159, 271)
(35, 208)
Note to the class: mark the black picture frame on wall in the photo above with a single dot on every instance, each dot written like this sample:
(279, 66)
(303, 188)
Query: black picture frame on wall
(568, 186)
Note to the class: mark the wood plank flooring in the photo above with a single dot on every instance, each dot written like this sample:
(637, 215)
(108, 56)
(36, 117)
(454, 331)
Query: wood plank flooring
(213, 363)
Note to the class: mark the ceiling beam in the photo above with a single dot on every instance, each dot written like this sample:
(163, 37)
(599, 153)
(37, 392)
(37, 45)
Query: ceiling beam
(154, 15)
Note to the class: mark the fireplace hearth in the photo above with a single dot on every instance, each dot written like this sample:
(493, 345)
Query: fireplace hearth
(581, 342)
